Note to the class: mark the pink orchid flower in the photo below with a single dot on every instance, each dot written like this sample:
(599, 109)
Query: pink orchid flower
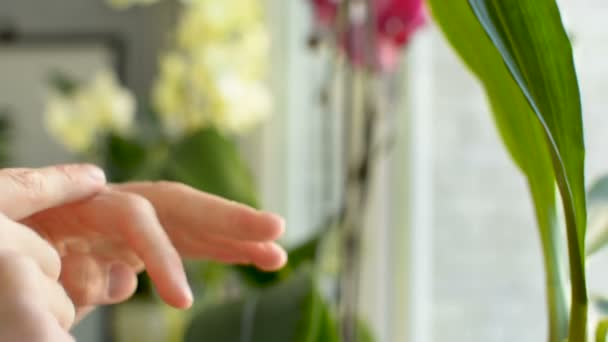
(395, 23)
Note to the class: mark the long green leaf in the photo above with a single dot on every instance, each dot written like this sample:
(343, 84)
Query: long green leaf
(601, 331)
(536, 49)
(522, 135)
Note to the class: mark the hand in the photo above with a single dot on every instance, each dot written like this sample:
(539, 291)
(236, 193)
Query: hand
(28, 192)
(125, 228)
(34, 306)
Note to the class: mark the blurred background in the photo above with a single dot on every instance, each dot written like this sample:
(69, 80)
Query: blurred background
(240, 98)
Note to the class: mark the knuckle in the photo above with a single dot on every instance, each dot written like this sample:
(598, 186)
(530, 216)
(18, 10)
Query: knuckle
(84, 285)
(243, 217)
(17, 243)
(171, 186)
(17, 273)
(53, 263)
(28, 179)
(85, 296)
(136, 203)
(17, 264)
(34, 328)
(69, 172)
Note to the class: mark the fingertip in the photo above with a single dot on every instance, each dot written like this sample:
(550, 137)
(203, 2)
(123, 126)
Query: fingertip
(174, 288)
(95, 173)
(188, 299)
(275, 225)
(182, 299)
(274, 258)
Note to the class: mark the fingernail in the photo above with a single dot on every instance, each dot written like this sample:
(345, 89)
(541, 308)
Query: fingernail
(189, 296)
(119, 279)
(96, 174)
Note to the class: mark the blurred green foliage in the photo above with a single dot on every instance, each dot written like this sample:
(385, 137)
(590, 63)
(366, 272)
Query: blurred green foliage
(5, 128)
(298, 256)
(289, 311)
(210, 161)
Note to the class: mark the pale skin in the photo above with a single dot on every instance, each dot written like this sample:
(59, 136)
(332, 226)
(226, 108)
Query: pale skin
(70, 242)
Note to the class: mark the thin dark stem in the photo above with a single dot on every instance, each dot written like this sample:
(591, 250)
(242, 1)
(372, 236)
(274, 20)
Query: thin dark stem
(359, 165)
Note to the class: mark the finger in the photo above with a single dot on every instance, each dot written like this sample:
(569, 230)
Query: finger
(31, 323)
(99, 246)
(24, 285)
(201, 250)
(91, 281)
(60, 304)
(28, 191)
(134, 220)
(267, 256)
(129, 220)
(21, 239)
(181, 206)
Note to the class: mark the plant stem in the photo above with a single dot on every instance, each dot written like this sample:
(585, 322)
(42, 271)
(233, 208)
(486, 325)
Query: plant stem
(578, 309)
(578, 321)
(557, 306)
(550, 237)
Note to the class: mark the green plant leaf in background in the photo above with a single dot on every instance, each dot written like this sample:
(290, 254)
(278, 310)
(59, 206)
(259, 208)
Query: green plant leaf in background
(602, 331)
(536, 49)
(523, 136)
(597, 198)
(210, 162)
(124, 159)
(5, 136)
(599, 305)
(291, 311)
(63, 83)
(302, 254)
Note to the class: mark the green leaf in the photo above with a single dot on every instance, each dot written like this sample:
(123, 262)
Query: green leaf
(211, 162)
(523, 136)
(5, 136)
(64, 84)
(597, 237)
(602, 331)
(290, 311)
(299, 256)
(536, 49)
(124, 158)
(328, 329)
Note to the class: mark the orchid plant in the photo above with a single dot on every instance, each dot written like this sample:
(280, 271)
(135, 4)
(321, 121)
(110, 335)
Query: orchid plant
(522, 55)
(518, 50)
(378, 47)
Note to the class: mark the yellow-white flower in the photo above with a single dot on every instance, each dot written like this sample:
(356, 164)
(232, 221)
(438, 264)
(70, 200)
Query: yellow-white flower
(246, 103)
(216, 75)
(184, 95)
(98, 107)
(214, 21)
(64, 123)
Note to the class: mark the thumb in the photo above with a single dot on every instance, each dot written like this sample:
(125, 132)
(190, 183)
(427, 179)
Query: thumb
(91, 280)
(28, 191)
